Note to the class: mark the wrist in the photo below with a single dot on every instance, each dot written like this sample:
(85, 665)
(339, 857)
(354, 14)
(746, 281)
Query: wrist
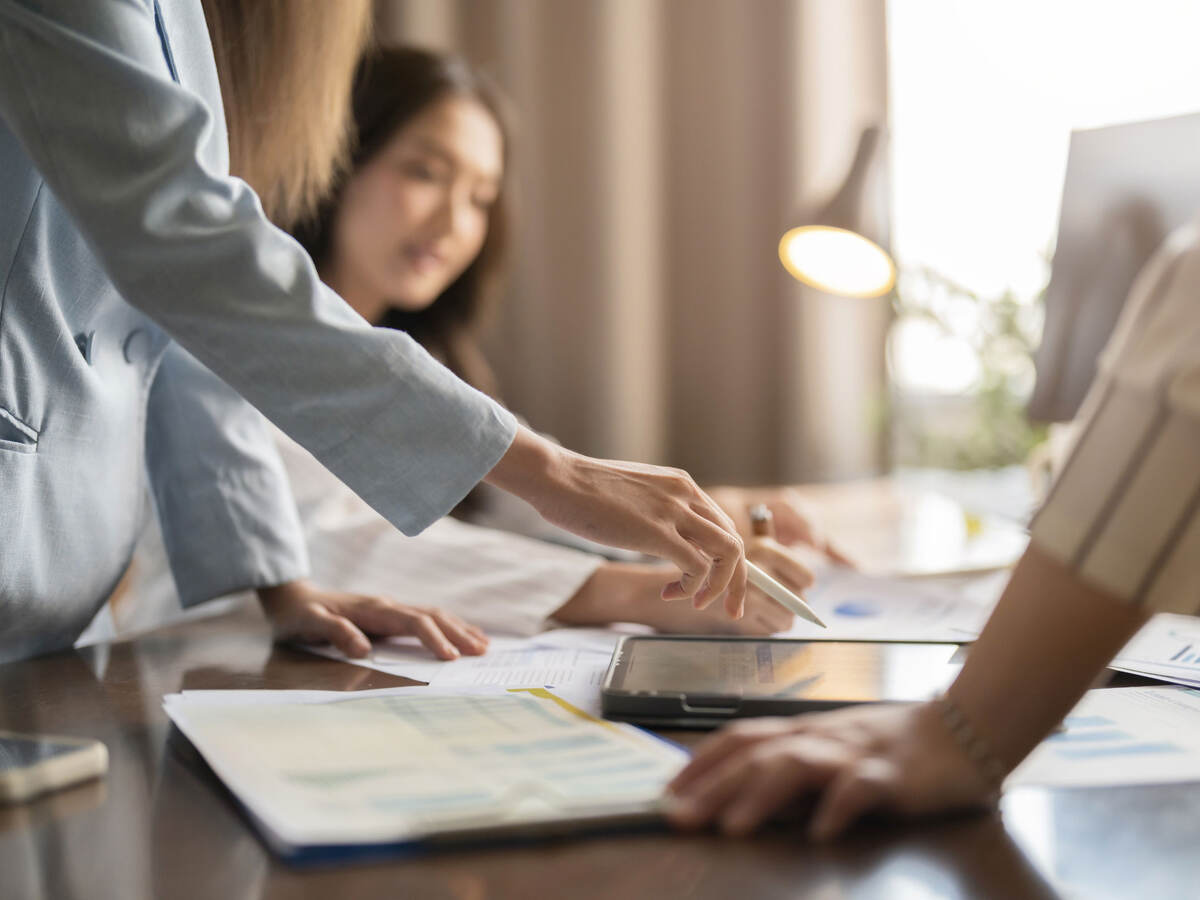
(971, 742)
(272, 595)
(274, 591)
(529, 467)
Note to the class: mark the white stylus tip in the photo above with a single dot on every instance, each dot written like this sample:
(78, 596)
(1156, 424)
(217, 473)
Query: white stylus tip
(782, 595)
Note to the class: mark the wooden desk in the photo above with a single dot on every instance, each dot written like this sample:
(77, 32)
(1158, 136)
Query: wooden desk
(161, 825)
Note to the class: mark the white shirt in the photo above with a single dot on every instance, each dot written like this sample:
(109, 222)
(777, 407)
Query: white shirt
(503, 582)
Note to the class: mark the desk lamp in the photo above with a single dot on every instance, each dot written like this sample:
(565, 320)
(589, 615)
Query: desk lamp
(840, 248)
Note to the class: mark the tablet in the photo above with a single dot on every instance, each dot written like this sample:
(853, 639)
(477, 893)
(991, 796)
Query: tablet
(700, 682)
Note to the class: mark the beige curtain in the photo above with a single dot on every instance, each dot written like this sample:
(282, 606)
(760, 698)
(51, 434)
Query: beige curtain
(663, 147)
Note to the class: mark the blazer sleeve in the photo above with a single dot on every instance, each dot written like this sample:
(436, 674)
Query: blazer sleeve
(87, 90)
(222, 496)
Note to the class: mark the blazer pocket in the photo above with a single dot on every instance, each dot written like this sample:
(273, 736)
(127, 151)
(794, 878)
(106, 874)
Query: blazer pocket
(15, 435)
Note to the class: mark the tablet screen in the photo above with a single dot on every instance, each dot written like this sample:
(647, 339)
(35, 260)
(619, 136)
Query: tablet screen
(836, 670)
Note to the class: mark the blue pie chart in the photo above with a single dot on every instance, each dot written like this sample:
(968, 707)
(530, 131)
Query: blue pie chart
(857, 608)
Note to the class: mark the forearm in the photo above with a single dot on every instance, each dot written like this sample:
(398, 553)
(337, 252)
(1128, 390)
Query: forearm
(616, 592)
(1050, 636)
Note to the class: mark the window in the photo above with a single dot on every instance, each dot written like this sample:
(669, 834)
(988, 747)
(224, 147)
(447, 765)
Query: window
(984, 96)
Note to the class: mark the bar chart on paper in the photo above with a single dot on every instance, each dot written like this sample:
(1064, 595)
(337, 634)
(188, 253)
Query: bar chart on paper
(1185, 656)
(1121, 736)
(1168, 648)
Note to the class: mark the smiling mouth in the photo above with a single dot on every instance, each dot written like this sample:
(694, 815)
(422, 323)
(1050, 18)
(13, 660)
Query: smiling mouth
(423, 260)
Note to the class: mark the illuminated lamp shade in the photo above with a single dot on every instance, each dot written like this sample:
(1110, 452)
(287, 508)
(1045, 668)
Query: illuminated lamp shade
(837, 261)
(841, 248)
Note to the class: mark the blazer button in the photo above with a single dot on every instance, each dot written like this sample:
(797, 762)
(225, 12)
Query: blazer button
(129, 348)
(83, 341)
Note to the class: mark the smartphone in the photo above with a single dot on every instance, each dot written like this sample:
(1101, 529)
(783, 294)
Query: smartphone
(700, 682)
(32, 764)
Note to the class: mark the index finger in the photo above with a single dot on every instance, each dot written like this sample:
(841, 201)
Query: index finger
(735, 583)
(727, 570)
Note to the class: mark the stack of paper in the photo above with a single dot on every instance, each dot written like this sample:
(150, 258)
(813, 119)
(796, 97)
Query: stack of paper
(1120, 736)
(1167, 648)
(570, 660)
(326, 770)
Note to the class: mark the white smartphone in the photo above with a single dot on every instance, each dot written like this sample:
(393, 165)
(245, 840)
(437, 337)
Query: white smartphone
(31, 764)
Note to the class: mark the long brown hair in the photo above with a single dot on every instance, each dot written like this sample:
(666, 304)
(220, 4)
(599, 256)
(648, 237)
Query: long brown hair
(285, 68)
(394, 85)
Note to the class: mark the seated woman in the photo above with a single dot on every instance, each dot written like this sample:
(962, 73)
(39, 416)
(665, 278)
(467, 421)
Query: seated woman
(414, 238)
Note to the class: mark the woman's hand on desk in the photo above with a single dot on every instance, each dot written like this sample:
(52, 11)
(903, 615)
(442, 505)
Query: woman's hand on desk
(301, 611)
(898, 759)
(657, 511)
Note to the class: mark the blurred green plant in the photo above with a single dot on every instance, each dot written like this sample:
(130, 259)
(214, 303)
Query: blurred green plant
(981, 424)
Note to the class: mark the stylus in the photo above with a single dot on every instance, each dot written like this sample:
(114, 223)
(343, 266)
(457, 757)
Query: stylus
(782, 595)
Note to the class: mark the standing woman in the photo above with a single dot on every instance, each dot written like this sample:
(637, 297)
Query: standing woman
(120, 231)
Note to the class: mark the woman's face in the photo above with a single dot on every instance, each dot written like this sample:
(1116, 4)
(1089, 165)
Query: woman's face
(416, 214)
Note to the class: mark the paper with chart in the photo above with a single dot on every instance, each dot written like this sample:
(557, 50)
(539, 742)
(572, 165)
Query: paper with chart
(331, 768)
(1167, 648)
(1118, 736)
(857, 606)
(572, 661)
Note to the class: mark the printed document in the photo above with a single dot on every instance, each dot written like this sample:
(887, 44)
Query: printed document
(1167, 648)
(863, 607)
(1120, 736)
(407, 764)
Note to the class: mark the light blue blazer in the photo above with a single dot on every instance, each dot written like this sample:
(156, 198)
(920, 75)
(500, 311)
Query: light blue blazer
(132, 268)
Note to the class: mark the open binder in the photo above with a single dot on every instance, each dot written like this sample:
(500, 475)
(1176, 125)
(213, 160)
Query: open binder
(327, 774)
